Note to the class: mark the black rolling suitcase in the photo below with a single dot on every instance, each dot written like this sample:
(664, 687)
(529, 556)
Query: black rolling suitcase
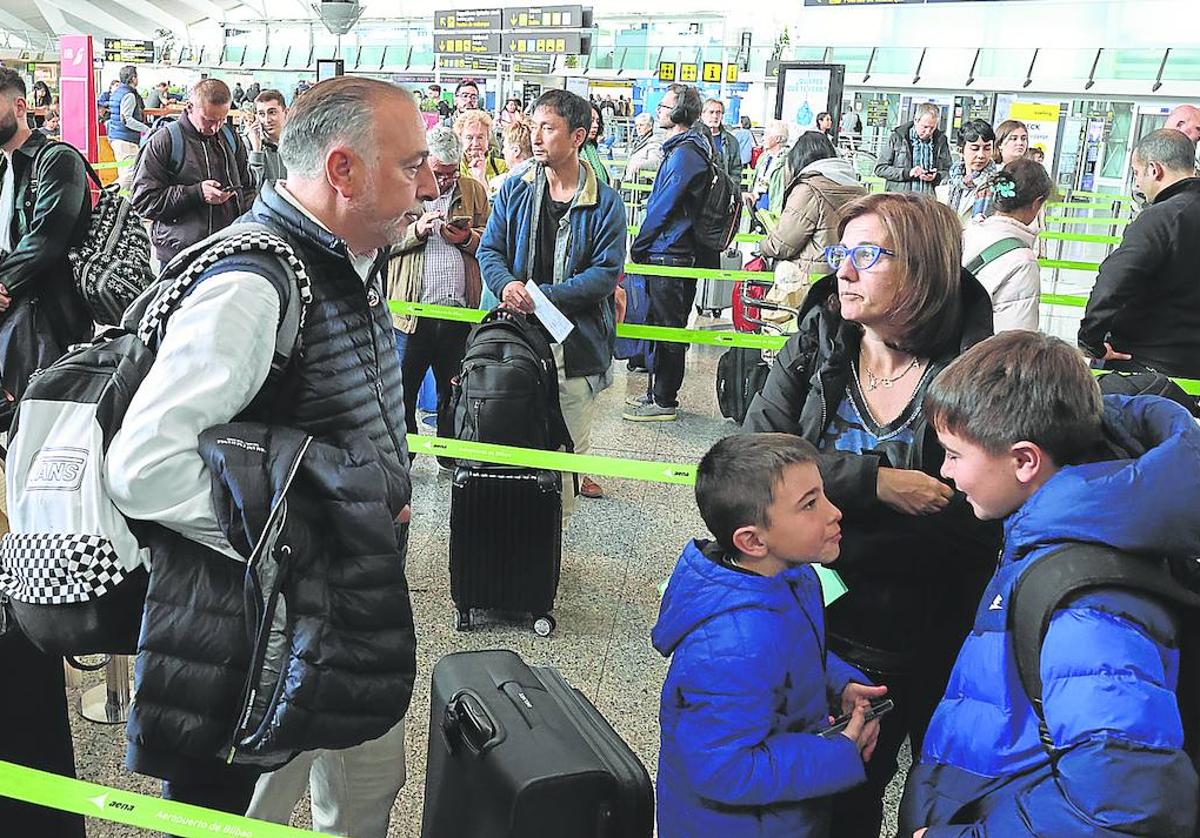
(505, 542)
(515, 751)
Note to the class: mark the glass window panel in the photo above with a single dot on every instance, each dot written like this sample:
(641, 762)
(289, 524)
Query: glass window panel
(855, 58)
(370, 57)
(897, 60)
(1004, 62)
(298, 57)
(1123, 64)
(1066, 64)
(1183, 65)
(276, 54)
(233, 54)
(254, 57)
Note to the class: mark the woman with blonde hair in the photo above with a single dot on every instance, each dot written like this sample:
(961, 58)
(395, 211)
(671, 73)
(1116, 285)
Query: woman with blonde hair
(872, 336)
(474, 130)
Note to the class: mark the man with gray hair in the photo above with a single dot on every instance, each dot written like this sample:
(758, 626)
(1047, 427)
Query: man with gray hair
(916, 157)
(193, 176)
(435, 263)
(1144, 311)
(646, 150)
(356, 154)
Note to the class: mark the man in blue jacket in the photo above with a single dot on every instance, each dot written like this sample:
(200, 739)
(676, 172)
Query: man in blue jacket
(561, 228)
(125, 126)
(666, 238)
(1029, 439)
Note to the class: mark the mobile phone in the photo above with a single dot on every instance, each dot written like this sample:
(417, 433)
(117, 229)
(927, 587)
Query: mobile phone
(462, 222)
(877, 709)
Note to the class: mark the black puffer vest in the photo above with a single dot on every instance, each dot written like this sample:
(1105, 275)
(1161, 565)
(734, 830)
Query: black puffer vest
(194, 650)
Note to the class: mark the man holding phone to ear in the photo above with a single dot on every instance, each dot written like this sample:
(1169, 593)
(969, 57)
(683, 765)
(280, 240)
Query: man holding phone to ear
(193, 177)
(435, 263)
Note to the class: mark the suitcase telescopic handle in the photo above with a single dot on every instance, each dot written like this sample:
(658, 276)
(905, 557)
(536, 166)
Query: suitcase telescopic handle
(468, 721)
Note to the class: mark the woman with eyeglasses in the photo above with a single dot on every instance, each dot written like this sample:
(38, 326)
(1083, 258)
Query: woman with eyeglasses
(872, 335)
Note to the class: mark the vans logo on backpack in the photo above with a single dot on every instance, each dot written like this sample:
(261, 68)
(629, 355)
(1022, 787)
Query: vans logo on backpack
(58, 470)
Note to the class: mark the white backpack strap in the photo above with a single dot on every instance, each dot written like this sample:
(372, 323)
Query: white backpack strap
(255, 238)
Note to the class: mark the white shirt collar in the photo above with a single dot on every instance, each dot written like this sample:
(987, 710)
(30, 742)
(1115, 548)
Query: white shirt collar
(362, 264)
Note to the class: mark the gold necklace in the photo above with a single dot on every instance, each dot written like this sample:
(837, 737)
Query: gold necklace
(876, 381)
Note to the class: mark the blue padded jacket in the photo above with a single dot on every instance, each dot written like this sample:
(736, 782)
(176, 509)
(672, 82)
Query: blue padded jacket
(1109, 663)
(744, 695)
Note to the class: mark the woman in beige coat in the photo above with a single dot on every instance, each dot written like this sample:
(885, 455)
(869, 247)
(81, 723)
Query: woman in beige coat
(819, 185)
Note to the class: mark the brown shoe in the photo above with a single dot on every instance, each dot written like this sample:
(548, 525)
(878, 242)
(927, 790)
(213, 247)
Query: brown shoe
(589, 488)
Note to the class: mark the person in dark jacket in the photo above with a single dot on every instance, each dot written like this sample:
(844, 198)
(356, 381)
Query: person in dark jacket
(1067, 467)
(559, 226)
(851, 381)
(916, 157)
(750, 684)
(726, 149)
(1144, 310)
(666, 238)
(37, 226)
(348, 198)
(34, 235)
(211, 187)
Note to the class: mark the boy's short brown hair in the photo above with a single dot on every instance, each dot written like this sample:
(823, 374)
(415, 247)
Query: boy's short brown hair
(1019, 386)
(736, 480)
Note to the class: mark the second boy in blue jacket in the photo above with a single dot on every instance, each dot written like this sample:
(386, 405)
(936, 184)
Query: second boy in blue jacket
(750, 682)
(1028, 439)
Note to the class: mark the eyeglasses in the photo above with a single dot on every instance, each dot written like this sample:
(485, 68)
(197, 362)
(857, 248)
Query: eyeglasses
(862, 257)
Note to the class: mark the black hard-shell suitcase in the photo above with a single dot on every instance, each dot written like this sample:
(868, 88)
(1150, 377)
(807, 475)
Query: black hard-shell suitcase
(505, 542)
(741, 374)
(515, 751)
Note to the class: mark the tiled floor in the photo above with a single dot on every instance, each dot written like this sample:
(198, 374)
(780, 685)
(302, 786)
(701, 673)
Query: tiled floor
(616, 551)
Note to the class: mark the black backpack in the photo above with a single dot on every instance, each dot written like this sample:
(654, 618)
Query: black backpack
(507, 390)
(178, 144)
(741, 375)
(1148, 383)
(1057, 576)
(717, 219)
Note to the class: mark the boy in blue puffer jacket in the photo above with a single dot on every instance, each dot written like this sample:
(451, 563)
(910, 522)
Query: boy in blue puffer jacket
(1029, 439)
(750, 682)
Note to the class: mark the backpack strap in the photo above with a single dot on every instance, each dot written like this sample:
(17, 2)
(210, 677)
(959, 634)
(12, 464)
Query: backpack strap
(993, 252)
(1057, 576)
(175, 133)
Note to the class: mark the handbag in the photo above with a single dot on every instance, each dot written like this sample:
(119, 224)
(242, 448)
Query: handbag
(28, 343)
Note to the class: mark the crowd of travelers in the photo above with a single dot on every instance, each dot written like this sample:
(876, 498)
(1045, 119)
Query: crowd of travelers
(916, 432)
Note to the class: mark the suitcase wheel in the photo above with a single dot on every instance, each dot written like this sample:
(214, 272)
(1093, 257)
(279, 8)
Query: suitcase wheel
(462, 620)
(544, 625)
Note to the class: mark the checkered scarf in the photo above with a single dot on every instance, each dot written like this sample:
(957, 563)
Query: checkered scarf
(922, 152)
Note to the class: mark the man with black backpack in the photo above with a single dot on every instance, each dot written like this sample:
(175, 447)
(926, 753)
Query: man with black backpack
(193, 176)
(1072, 707)
(352, 184)
(668, 237)
(576, 225)
(36, 295)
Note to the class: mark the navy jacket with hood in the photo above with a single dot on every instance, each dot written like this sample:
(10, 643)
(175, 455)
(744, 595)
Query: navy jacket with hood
(1109, 663)
(750, 682)
(679, 188)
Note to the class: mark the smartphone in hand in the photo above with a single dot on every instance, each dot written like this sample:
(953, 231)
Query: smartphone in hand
(877, 709)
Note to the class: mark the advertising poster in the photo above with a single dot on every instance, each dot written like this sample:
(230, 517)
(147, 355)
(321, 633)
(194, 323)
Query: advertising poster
(1042, 121)
(805, 90)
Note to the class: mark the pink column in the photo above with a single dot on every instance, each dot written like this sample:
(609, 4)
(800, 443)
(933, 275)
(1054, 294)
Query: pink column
(77, 95)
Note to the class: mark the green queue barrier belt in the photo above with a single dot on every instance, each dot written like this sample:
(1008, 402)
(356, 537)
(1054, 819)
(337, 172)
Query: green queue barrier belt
(1080, 205)
(1103, 196)
(652, 471)
(765, 277)
(115, 165)
(1088, 238)
(1069, 265)
(1067, 220)
(1064, 300)
(739, 238)
(93, 800)
(624, 330)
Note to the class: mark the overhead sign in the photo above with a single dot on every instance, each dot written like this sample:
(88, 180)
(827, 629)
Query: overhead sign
(544, 17)
(688, 72)
(666, 71)
(526, 43)
(1034, 111)
(858, 2)
(487, 43)
(731, 73)
(467, 20)
(480, 63)
(712, 71)
(121, 51)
